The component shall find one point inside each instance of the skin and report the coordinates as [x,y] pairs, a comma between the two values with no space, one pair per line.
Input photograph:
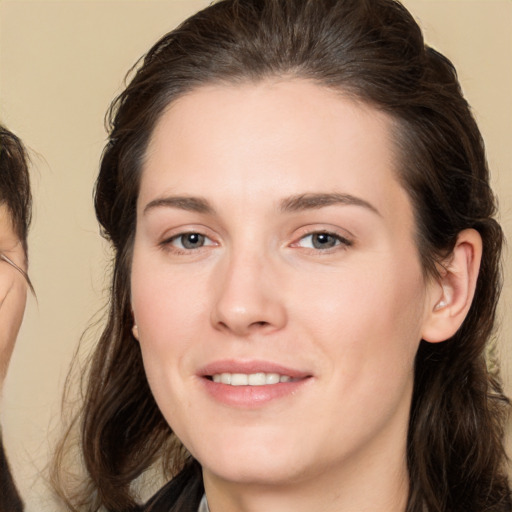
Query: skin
[13,289]
[350,316]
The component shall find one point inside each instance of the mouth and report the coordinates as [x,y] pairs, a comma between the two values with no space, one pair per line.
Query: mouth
[251,384]
[250,379]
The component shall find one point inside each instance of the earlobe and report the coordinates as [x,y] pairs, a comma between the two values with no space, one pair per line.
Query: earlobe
[135,329]
[441,304]
[451,294]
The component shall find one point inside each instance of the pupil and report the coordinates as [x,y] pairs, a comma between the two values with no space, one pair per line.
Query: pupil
[192,240]
[323,240]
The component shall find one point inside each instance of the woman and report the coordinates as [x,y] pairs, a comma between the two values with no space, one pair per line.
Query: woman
[306,272]
[15,209]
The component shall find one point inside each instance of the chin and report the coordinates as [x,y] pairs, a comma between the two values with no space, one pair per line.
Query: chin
[260,472]
[256,460]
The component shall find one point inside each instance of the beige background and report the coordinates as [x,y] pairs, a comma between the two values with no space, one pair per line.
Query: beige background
[61,63]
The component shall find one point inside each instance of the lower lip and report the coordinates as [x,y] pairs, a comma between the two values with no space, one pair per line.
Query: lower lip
[251,396]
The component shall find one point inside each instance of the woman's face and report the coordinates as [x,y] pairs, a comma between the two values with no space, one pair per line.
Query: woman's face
[13,289]
[276,287]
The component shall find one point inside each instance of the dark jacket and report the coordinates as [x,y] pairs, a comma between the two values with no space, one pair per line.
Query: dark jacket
[10,500]
[182,494]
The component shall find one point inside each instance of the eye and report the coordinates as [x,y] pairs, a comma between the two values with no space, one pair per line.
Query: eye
[189,241]
[322,241]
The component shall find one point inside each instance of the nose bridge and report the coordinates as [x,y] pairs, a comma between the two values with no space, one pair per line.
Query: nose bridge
[247,298]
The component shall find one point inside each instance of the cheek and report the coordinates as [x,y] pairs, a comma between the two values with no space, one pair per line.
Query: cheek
[369,319]
[367,327]
[12,307]
[170,314]
[162,312]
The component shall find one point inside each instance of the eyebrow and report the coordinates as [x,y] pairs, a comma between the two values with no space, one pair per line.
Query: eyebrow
[191,204]
[315,201]
[291,204]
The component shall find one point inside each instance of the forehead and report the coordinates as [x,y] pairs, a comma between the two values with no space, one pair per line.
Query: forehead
[269,138]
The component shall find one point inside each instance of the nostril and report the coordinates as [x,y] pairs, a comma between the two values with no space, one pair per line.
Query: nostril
[260,324]
[243,327]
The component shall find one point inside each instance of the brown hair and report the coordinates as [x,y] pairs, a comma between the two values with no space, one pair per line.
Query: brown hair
[15,183]
[374,51]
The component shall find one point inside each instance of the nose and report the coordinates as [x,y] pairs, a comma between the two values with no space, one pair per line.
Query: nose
[248,297]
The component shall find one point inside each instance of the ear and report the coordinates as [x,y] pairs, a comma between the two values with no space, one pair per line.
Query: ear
[451,294]
[135,329]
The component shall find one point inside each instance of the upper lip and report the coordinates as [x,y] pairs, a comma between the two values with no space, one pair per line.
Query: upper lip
[249,367]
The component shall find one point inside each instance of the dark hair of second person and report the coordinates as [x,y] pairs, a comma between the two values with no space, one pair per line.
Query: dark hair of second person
[15,215]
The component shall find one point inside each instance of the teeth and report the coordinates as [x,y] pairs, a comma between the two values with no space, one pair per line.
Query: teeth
[251,379]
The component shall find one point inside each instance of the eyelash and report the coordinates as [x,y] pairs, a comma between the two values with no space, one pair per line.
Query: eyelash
[186,250]
[340,242]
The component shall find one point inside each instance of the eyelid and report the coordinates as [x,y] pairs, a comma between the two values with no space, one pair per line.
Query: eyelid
[171,235]
[346,239]
[182,229]
[179,235]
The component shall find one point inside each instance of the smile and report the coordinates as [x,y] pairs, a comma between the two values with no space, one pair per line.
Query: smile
[251,384]
[250,379]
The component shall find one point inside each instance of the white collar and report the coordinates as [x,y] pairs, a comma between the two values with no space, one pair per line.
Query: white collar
[203,506]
